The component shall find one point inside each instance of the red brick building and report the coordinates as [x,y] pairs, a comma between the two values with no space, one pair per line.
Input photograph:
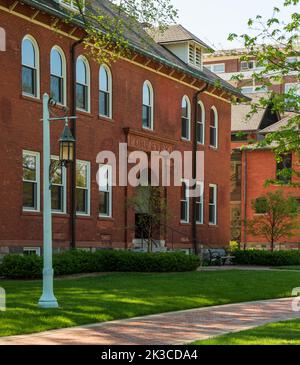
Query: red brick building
[251,168]
[148,100]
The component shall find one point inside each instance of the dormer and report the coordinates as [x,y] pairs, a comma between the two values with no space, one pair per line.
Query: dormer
[183,44]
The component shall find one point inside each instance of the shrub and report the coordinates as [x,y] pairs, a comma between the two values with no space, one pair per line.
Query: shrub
[76,262]
[267,258]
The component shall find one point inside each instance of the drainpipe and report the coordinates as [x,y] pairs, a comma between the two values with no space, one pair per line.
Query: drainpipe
[195,148]
[73,129]
[245,197]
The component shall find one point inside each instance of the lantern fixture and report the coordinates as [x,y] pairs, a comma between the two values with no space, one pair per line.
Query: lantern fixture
[66,145]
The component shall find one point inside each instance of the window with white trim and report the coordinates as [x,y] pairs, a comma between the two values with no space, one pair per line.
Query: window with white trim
[293,99]
[213,128]
[247,65]
[217,68]
[82,84]
[213,204]
[30,67]
[105,92]
[184,203]
[105,191]
[83,173]
[201,123]
[72,4]
[200,203]
[148,98]
[58,75]
[31,181]
[254,89]
[58,186]
[185,118]
[31,251]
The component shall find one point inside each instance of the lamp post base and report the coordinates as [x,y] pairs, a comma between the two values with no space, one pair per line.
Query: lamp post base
[48,303]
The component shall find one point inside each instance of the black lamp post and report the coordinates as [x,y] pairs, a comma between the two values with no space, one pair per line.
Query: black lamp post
[66,146]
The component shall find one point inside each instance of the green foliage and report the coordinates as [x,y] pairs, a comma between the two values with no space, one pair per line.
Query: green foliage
[278,217]
[267,258]
[233,246]
[76,262]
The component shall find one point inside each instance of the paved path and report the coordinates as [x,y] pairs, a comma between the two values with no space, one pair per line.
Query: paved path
[169,328]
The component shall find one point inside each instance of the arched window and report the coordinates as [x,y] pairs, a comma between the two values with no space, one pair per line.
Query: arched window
[147,105]
[82,84]
[186,118]
[105,92]
[213,140]
[58,75]
[201,123]
[30,67]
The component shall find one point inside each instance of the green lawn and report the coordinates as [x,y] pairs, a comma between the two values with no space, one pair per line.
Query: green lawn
[281,333]
[288,267]
[118,295]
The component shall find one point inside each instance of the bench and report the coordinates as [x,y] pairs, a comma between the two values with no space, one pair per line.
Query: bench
[217,256]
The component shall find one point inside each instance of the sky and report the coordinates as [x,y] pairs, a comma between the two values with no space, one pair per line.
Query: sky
[213,20]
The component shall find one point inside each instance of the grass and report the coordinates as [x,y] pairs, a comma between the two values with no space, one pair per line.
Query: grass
[281,333]
[118,295]
[288,267]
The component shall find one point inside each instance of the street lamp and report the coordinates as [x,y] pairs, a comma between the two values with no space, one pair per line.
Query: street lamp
[66,144]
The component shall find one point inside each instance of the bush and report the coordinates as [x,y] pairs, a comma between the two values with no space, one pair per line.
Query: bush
[77,262]
[267,258]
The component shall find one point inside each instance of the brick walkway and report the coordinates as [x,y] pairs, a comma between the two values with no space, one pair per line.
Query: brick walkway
[169,328]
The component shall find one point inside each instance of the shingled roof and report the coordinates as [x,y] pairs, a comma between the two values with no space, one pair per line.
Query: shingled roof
[176,33]
[277,126]
[140,42]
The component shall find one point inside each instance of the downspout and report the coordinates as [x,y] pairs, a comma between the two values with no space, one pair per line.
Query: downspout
[245,197]
[195,148]
[74,130]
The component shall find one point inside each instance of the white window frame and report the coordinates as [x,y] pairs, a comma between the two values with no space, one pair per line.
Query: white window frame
[187,99]
[202,122]
[243,69]
[187,194]
[71,4]
[200,202]
[216,127]
[37,65]
[88,83]
[212,67]
[38,201]
[108,190]
[64,73]
[64,186]
[37,250]
[109,80]
[253,89]
[148,83]
[88,188]
[215,204]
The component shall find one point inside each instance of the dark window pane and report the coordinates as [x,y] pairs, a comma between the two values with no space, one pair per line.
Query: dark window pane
[199,212]
[104,103]
[184,211]
[28,80]
[213,137]
[57,197]
[104,203]
[200,134]
[81,200]
[29,167]
[81,96]
[283,169]
[57,88]
[184,128]
[29,195]
[146,116]
[212,214]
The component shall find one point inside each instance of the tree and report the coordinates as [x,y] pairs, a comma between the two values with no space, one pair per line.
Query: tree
[276,217]
[151,207]
[275,45]
[106,23]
